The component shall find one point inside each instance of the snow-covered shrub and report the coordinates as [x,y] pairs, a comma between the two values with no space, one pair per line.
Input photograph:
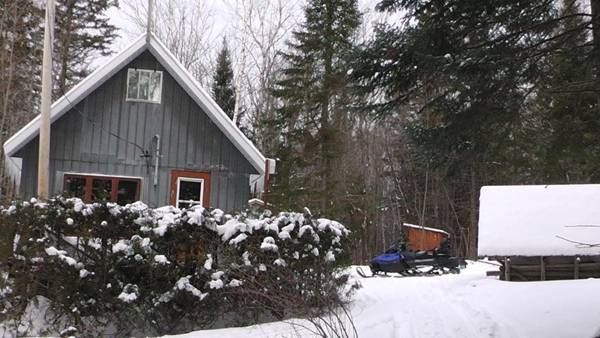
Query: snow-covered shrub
[137,270]
[286,263]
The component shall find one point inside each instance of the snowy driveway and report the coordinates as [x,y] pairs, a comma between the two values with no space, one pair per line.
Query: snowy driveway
[468,305]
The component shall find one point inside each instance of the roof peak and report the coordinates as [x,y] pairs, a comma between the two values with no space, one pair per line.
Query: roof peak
[192,87]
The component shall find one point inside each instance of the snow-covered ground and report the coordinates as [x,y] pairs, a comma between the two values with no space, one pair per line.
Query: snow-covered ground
[465,305]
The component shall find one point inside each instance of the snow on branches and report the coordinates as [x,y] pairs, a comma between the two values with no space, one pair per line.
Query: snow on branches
[118,261]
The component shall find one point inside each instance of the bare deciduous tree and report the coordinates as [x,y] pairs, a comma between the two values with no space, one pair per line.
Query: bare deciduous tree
[186,27]
[260,31]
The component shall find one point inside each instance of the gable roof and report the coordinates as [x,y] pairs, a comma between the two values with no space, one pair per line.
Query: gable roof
[179,73]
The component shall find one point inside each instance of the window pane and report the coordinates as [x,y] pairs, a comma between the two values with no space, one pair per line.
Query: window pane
[189,192]
[101,189]
[132,84]
[126,192]
[75,187]
[155,86]
[144,85]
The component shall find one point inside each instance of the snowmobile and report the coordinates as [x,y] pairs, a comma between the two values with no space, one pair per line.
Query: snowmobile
[414,263]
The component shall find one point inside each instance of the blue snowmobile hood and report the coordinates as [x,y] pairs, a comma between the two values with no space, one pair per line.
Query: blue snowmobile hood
[387,258]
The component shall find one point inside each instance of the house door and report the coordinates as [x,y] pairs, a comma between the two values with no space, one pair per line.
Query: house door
[189,188]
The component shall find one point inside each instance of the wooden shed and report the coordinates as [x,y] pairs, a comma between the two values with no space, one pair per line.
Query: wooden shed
[541,232]
[421,238]
[141,127]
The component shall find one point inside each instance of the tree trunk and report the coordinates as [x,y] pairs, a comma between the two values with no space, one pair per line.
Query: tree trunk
[595,8]
[472,245]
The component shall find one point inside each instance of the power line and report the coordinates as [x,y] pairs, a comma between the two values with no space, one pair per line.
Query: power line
[145,153]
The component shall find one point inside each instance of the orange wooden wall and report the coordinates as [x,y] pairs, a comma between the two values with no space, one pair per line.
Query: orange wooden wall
[422,239]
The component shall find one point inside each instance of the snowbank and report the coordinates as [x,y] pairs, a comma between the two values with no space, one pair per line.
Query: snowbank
[539,220]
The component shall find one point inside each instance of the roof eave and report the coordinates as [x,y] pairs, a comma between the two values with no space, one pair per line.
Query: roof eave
[181,75]
[75,95]
[204,100]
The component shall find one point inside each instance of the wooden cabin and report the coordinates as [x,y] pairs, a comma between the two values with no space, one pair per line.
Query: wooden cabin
[541,232]
[421,238]
[141,127]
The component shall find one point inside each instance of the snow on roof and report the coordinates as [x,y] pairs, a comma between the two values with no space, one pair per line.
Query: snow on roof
[176,69]
[425,228]
[539,220]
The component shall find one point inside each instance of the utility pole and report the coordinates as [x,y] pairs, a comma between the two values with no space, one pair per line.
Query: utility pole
[150,22]
[44,143]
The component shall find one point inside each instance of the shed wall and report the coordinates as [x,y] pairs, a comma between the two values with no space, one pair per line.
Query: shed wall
[419,239]
[104,134]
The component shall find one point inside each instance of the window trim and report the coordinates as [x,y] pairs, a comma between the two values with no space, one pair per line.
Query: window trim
[190,174]
[149,72]
[87,189]
[190,179]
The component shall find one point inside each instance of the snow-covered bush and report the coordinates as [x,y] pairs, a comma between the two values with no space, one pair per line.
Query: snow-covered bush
[286,263]
[137,270]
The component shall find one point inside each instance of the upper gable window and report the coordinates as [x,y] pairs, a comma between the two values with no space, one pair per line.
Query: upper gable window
[144,85]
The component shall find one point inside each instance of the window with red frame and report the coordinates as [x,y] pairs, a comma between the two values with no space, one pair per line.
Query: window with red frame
[90,188]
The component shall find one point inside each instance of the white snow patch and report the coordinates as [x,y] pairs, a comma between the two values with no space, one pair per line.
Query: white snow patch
[234,283]
[467,305]
[208,262]
[129,293]
[230,228]
[246,258]
[123,246]
[184,284]
[238,239]
[329,257]
[529,220]
[161,259]
[215,284]
[268,244]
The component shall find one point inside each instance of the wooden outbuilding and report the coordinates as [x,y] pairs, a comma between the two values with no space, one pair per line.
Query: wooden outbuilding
[541,232]
[421,238]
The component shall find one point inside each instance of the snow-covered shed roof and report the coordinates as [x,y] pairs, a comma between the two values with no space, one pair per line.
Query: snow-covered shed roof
[176,69]
[414,226]
[539,220]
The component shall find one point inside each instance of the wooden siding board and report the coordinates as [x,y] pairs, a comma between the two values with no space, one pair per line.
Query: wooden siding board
[123,128]
[76,133]
[115,114]
[190,135]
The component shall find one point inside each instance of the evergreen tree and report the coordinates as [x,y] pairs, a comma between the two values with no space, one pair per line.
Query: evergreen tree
[82,31]
[21,34]
[315,100]
[570,116]
[462,73]
[223,88]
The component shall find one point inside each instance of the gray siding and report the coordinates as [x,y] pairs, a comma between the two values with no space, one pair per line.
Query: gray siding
[83,141]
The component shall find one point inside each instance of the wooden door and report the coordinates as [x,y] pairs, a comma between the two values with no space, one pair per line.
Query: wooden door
[189,188]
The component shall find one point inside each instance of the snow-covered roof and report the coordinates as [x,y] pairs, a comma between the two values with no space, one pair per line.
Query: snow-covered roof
[176,69]
[408,225]
[539,220]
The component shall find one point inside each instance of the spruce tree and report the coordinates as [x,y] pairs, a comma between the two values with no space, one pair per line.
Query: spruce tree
[315,100]
[461,74]
[21,33]
[82,31]
[223,88]
[570,117]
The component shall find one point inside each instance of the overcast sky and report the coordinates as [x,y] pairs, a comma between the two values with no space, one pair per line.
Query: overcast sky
[219,9]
